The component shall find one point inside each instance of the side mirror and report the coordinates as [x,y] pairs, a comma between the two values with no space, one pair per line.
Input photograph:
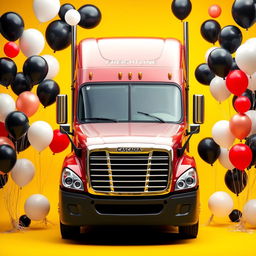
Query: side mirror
[198,109]
[62,109]
[194,128]
[65,128]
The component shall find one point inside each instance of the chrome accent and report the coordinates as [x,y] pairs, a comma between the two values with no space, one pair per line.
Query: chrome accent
[110,173]
[61,109]
[148,172]
[198,109]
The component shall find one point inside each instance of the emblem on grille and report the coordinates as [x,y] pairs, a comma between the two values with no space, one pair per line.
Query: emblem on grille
[121,149]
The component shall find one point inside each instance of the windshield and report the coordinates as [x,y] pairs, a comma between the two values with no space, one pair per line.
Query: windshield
[101,103]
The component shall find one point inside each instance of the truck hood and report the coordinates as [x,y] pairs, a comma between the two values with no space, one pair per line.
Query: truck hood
[141,133]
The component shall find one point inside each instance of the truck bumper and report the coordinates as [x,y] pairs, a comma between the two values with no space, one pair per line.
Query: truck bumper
[174,209]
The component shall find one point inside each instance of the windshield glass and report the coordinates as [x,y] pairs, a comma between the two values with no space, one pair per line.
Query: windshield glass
[129,103]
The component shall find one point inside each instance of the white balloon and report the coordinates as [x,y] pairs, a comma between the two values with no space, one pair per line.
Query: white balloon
[218,89]
[246,58]
[252,82]
[252,115]
[72,17]
[46,10]
[249,212]
[53,66]
[222,134]
[23,172]
[37,207]
[31,42]
[224,159]
[40,135]
[7,105]
[208,53]
[220,204]
[251,40]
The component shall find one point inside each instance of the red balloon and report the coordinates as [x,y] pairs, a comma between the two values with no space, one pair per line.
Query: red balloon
[214,11]
[59,142]
[240,155]
[11,49]
[242,104]
[237,82]
[3,132]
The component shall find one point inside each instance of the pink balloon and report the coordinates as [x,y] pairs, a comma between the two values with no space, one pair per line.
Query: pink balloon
[28,103]
[214,11]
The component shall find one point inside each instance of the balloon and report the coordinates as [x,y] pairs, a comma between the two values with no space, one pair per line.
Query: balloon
[11,49]
[243,13]
[251,142]
[7,105]
[31,42]
[8,71]
[236,180]
[47,92]
[234,65]
[20,84]
[252,82]
[222,135]
[23,172]
[220,62]
[7,158]
[24,221]
[240,156]
[230,38]
[3,132]
[40,135]
[91,15]
[252,115]
[72,17]
[235,215]
[224,159]
[28,103]
[63,9]
[22,143]
[53,66]
[246,58]
[181,8]
[6,141]
[251,40]
[35,69]
[214,11]
[249,212]
[3,180]
[248,94]
[203,74]
[12,26]
[240,125]
[58,35]
[59,142]
[208,52]
[37,207]
[220,204]
[16,124]
[46,10]
[237,82]
[242,104]
[210,30]
[218,89]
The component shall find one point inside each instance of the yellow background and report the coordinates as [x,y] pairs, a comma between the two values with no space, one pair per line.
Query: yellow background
[145,18]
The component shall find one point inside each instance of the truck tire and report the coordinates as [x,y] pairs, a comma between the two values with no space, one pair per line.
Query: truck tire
[190,231]
[69,232]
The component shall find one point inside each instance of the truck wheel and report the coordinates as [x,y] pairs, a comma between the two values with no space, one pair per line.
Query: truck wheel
[69,232]
[190,231]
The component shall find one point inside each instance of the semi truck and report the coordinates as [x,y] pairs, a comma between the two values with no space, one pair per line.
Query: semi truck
[130,132]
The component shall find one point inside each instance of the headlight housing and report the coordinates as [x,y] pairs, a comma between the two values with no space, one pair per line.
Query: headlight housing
[187,180]
[71,180]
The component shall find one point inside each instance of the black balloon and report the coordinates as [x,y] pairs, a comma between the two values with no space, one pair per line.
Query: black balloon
[235,215]
[21,144]
[16,124]
[90,16]
[47,92]
[181,8]
[8,71]
[249,94]
[236,180]
[220,62]
[251,142]
[12,26]
[35,69]
[230,38]
[20,84]
[208,150]
[63,9]
[8,158]
[244,13]
[234,65]
[58,35]
[203,74]
[24,221]
[3,180]
[210,30]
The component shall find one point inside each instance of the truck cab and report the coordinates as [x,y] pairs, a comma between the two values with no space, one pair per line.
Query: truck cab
[129,163]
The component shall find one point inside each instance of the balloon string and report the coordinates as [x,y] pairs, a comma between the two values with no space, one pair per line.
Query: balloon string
[40,175]
[215,170]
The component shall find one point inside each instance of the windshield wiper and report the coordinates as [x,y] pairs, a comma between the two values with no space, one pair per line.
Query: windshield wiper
[100,118]
[147,114]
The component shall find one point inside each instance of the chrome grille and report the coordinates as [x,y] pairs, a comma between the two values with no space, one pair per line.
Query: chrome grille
[128,173]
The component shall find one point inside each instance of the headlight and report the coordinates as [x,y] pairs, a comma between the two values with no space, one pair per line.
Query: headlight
[187,180]
[71,180]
